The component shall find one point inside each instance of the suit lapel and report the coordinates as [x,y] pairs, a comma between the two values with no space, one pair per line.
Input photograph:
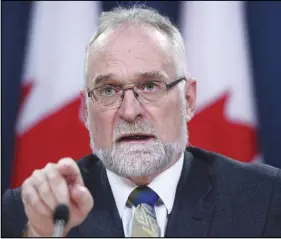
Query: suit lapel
[193,206]
[104,219]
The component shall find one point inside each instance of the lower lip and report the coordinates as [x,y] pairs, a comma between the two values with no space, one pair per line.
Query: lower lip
[140,141]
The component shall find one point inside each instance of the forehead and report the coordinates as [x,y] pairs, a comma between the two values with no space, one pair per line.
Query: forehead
[129,51]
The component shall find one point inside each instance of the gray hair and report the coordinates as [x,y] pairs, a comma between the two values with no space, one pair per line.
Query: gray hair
[142,15]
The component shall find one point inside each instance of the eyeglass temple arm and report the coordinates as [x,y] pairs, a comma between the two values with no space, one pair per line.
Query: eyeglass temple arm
[89,92]
[169,86]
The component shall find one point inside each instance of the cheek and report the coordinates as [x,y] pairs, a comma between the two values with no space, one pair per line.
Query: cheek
[102,128]
[167,119]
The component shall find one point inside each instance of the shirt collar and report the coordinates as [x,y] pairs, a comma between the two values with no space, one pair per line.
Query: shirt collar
[165,185]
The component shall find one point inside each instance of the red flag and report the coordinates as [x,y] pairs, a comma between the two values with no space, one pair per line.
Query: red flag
[49,125]
[218,57]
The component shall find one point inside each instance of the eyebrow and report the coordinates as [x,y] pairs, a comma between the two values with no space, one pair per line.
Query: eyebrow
[101,78]
[152,75]
[144,75]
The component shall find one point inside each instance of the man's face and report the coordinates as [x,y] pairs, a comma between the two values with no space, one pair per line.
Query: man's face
[126,56]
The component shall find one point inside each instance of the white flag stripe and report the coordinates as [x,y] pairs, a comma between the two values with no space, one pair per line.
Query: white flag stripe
[58,36]
[218,55]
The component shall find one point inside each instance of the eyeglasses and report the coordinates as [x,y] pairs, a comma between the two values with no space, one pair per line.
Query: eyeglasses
[149,91]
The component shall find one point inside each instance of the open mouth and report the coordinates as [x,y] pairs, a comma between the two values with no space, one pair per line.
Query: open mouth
[135,138]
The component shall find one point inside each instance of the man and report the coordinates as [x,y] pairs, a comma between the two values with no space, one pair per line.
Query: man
[143,179]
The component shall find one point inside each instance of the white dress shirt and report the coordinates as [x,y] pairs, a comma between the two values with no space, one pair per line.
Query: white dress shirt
[164,185]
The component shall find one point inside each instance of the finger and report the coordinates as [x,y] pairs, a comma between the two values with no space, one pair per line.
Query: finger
[40,181]
[82,198]
[32,200]
[57,184]
[70,170]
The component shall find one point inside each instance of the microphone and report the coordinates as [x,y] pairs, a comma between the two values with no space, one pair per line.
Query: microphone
[60,218]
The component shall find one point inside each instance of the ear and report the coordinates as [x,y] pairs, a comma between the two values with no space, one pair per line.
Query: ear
[84,109]
[190,97]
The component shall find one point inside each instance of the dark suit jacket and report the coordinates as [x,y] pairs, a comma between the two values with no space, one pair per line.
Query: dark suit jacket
[216,197]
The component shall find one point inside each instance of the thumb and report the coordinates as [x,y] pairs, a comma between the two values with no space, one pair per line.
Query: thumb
[82,198]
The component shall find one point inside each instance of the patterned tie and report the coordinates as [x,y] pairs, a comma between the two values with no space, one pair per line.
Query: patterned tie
[144,221]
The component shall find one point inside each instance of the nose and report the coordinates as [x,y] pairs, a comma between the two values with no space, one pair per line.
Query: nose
[130,107]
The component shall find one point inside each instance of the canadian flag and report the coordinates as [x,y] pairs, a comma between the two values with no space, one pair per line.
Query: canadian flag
[218,57]
[49,123]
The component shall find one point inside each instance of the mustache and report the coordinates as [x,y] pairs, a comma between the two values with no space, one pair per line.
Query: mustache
[139,126]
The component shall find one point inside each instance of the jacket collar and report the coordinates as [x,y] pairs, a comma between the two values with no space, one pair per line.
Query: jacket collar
[104,219]
[193,208]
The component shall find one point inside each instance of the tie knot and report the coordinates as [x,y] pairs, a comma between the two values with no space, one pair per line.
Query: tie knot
[143,194]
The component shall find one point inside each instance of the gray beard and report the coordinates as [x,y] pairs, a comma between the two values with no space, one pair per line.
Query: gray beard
[135,160]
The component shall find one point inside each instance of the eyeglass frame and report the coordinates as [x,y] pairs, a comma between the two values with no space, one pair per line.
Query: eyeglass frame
[169,86]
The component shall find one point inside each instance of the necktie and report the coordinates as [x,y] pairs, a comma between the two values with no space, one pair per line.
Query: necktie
[144,220]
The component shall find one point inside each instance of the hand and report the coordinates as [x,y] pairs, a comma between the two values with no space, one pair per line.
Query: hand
[50,186]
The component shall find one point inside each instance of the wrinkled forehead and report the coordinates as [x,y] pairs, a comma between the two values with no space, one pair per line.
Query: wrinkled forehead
[128,51]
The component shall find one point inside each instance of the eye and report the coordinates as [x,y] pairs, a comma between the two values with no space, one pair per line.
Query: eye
[150,86]
[107,90]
